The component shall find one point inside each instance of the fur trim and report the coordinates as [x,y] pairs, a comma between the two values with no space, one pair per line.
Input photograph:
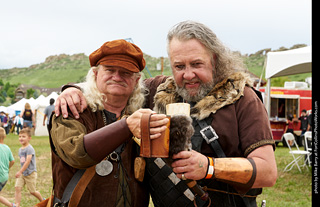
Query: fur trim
[166,94]
[224,93]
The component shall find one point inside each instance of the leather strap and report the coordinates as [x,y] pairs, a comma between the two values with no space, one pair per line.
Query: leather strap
[69,189]
[81,186]
[214,144]
[145,149]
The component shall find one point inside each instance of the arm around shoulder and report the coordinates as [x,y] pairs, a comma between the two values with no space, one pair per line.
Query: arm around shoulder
[73,98]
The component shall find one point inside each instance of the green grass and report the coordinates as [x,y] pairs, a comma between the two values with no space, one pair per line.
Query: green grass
[292,189]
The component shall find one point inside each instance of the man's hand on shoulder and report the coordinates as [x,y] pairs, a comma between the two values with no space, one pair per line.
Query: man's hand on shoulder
[73,98]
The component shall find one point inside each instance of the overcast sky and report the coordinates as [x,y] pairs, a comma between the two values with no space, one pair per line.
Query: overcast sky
[31,30]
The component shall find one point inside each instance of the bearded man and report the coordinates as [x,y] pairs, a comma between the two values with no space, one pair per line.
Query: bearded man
[232,156]
[93,155]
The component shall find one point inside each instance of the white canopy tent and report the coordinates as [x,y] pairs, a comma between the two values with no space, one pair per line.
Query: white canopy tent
[3,108]
[19,106]
[284,63]
[38,106]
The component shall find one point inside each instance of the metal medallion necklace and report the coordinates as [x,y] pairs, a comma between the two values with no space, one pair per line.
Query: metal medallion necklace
[105,167]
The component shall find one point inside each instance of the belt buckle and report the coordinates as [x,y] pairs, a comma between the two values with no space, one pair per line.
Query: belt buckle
[209,140]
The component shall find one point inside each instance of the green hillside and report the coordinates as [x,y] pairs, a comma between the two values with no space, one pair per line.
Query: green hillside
[54,72]
[61,69]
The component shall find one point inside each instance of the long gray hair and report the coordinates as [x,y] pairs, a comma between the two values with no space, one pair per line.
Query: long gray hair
[226,61]
[95,98]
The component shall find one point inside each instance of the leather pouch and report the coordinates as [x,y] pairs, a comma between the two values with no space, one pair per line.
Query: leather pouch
[139,168]
[158,147]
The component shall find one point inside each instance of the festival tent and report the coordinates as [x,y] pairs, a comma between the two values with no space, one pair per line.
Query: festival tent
[40,130]
[41,100]
[38,106]
[41,104]
[19,106]
[288,62]
[285,63]
[3,108]
[7,110]
[53,95]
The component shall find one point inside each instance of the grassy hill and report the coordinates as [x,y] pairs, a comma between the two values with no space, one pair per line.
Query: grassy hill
[54,72]
[61,69]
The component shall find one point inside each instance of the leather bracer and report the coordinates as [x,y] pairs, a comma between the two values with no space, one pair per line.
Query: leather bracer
[100,143]
[239,172]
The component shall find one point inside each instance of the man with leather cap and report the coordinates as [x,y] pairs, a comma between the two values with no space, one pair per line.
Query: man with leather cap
[93,154]
[232,156]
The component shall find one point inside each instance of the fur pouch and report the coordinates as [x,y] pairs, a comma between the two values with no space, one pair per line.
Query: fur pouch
[181,131]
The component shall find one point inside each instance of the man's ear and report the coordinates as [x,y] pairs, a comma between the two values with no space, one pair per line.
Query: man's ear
[138,78]
[95,71]
[214,57]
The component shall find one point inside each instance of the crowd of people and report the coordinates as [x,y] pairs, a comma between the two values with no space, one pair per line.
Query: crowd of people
[22,125]
[17,122]
[24,119]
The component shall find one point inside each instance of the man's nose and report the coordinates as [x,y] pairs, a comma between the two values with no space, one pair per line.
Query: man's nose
[188,73]
[116,76]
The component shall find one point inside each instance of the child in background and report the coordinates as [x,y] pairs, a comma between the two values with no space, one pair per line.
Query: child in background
[27,175]
[6,162]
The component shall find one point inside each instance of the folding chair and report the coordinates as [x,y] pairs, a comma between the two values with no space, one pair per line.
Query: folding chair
[308,145]
[294,153]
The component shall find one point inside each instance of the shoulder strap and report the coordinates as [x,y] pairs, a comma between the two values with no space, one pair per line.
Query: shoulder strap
[81,186]
[258,93]
[75,188]
[211,137]
[69,189]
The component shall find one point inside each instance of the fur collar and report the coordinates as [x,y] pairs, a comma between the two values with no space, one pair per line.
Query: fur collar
[224,93]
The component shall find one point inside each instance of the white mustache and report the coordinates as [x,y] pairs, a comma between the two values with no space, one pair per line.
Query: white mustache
[115,82]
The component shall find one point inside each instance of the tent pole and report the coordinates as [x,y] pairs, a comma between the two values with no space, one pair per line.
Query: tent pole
[268,102]
[263,69]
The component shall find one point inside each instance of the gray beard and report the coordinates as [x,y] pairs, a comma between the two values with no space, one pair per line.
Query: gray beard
[204,89]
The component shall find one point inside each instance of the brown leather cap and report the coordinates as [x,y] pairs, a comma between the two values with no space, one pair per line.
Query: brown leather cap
[119,53]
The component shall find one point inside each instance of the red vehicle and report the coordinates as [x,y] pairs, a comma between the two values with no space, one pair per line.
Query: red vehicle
[285,101]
